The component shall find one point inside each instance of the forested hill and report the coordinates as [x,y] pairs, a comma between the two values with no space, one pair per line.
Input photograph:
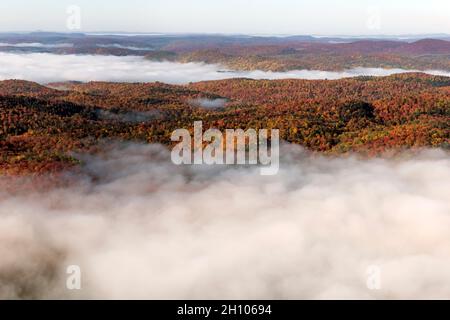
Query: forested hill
[41,125]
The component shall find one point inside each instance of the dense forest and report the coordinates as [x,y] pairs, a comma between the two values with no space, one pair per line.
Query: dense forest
[42,126]
[425,54]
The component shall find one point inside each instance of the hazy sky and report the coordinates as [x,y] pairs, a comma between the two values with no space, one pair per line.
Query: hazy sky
[329,17]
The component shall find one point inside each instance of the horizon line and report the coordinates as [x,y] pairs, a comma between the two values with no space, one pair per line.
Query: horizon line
[443,34]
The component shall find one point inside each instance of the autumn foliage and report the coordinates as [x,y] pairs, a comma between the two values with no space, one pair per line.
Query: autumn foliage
[42,127]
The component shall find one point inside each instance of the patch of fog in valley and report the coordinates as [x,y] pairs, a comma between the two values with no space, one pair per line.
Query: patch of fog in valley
[208,103]
[46,67]
[128,116]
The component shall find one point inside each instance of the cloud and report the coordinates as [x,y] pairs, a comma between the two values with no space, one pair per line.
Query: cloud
[140,227]
[131,116]
[208,103]
[36,45]
[45,67]
[119,46]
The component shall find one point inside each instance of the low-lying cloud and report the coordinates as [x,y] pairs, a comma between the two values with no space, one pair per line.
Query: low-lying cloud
[36,45]
[208,103]
[140,227]
[130,116]
[119,46]
[46,67]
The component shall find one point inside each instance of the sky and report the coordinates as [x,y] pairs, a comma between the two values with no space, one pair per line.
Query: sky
[318,17]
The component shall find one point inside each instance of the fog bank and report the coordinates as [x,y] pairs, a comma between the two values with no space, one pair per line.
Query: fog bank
[36,45]
[208,103]
[46,67]
[140,227]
